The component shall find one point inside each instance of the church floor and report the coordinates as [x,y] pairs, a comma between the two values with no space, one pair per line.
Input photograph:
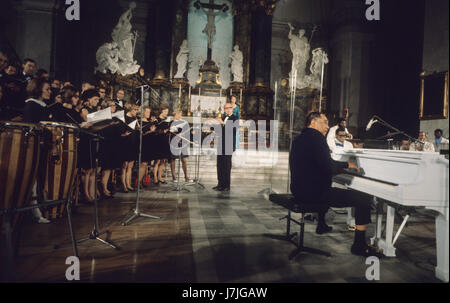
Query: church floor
[205,236]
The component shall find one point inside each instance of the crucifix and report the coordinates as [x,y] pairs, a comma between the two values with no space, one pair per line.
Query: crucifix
[210,28]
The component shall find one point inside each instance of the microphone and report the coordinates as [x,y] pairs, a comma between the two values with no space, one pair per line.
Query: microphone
[371,122]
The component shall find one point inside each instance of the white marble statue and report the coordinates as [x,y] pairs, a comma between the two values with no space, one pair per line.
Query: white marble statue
[107,58]
[300,48]
[123,36]
[182,59]
[319,57]
[236,64]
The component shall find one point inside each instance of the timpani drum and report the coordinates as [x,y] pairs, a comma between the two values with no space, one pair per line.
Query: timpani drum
[19,160]
[58,165]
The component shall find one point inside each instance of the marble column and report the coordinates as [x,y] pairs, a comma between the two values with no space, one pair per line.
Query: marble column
[159,39]
[259,95]
[261,45]
[33,30]
[350,47]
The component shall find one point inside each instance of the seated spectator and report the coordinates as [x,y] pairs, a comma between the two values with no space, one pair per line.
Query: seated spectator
[332,132]
[422,144]
[406,145]
[438,139]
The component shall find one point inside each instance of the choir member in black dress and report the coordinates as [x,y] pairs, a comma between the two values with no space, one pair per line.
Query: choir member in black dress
[148,135]
[162,152]
[108,155]
[35,109]
[179,127]
[87,148]
[128,145]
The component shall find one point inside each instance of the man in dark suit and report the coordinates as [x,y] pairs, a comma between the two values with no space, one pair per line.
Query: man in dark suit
[226,145]
[28,66]
[312,169]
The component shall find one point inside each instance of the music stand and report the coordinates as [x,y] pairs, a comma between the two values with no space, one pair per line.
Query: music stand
[137,211]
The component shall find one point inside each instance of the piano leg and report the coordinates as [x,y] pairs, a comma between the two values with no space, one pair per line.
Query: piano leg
[442,244]
[385,244]
[379,223]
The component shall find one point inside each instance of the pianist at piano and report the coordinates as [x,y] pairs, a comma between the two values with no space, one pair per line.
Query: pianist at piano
[312,169]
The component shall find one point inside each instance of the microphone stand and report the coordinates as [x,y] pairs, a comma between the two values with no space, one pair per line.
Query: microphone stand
[95,233]
[384,123]
[197,156]
[180,187]
[137,211]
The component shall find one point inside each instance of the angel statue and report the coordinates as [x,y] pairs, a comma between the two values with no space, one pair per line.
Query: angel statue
[107,58]
[123,36]
[300,48]
[182,59]
[319,57]
[236,64]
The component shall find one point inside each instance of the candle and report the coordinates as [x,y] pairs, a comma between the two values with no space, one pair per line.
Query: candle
[240,100]
[220,93]
[231,92]
[179,92]
[189,101]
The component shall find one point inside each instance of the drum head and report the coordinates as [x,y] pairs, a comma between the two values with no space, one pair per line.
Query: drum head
[58,124]
[19,125]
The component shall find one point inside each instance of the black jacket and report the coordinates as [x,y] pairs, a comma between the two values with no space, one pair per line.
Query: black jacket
[35,111]
[223,141]
[311,165]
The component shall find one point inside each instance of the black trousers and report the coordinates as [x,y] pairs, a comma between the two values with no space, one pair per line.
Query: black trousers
[336,197]
[224,170]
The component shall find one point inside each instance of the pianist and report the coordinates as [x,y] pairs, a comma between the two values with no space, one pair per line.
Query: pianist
[312,169]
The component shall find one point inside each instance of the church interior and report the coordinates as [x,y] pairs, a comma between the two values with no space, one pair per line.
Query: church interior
[375,70]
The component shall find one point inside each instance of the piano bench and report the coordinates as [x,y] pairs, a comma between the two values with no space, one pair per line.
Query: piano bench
[292,205]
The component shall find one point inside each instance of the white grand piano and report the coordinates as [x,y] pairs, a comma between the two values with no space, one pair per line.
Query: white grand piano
[415,179]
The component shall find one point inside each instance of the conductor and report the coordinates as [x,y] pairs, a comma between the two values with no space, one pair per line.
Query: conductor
[226,145]
[312,169]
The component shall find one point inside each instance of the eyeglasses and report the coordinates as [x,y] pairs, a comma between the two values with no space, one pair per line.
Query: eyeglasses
[228,107]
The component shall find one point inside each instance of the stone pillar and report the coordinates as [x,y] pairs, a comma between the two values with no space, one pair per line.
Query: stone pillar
[34,28]
[261,44]
[350,65]
[159,39]
[259,95]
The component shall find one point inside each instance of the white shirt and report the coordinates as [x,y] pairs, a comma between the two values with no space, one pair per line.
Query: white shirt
[331,137]
[427,147]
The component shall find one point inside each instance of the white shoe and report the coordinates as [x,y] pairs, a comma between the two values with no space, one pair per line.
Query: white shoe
[43,220]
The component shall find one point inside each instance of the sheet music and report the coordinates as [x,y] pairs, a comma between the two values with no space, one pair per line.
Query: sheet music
[120,115]
[133,124]
[100,115]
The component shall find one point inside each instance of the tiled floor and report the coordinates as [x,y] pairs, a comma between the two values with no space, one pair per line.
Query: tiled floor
[205,236]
